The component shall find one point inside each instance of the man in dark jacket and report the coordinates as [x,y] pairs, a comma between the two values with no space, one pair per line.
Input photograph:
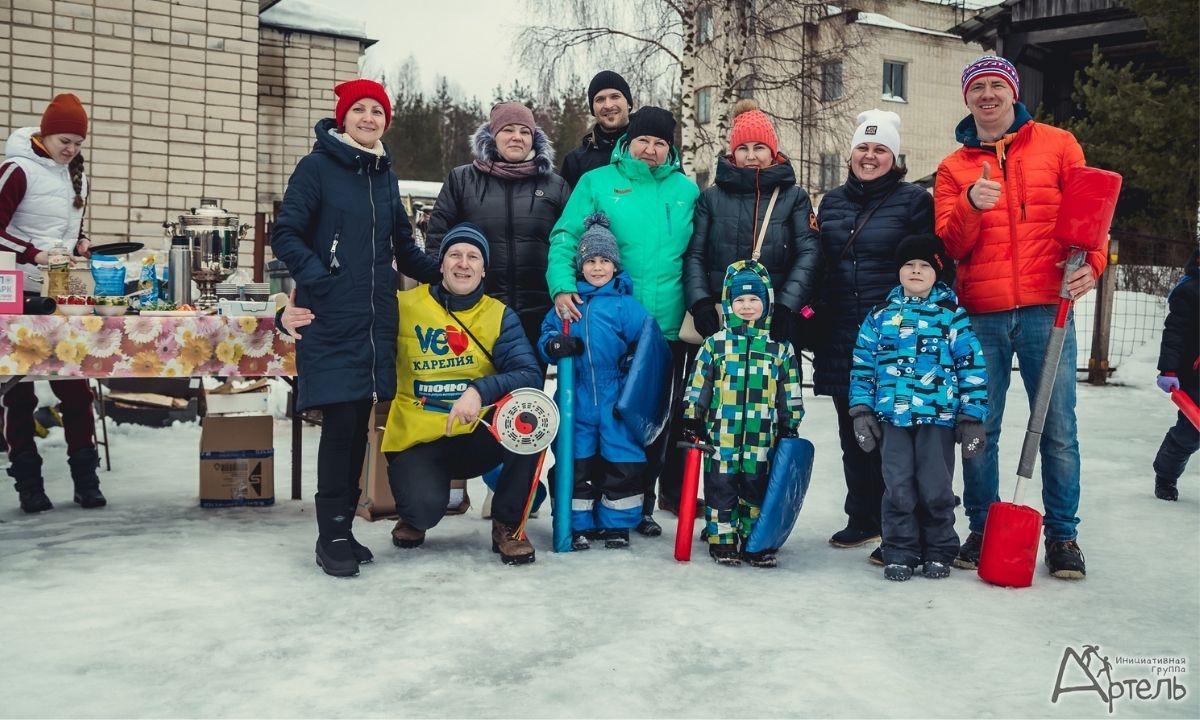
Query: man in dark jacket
[610,102]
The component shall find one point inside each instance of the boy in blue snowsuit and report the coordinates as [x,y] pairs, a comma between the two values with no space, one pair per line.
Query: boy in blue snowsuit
[1179,369]
[918,383]
[607,498]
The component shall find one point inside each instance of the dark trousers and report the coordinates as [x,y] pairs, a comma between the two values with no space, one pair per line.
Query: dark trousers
[664,461]
[75,401]
[420,477]
[342,449]
[1181,442]
[606,495]
[918,504]
[864,476]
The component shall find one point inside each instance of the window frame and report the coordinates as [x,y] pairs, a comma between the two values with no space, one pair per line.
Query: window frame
[704,105]
[827,85]
[889,79]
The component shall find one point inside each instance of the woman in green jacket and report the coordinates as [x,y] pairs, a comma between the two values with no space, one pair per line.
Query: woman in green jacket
[649,204]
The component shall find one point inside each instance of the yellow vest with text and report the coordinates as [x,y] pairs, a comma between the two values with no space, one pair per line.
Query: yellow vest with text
[436,360]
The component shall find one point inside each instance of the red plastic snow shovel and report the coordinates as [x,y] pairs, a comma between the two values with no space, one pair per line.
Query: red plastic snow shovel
[687,495]
[1012,531]
[1186,406]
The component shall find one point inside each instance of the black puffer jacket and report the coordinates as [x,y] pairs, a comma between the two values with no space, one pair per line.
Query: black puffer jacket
[516,215]
[725,227]
[595,151]
[855,282]
[340,225]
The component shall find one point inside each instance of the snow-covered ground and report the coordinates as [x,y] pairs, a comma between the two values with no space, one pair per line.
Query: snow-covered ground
[153,607]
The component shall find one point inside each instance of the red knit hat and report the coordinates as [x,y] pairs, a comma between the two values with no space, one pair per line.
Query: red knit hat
[352,91]
[752,125]
[64,116]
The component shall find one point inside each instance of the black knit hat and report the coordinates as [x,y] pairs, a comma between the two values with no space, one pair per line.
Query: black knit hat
[652,121]
[607,80]
[927,247]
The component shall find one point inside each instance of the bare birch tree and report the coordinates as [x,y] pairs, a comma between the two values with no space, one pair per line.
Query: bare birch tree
[740,48]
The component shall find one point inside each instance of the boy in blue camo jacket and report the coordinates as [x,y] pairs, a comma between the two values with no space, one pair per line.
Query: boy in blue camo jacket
[918,384]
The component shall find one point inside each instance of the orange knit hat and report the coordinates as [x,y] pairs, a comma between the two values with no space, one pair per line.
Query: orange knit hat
[752,125]
[64,116]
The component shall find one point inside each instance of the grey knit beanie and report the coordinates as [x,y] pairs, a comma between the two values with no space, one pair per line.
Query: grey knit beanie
[597,239]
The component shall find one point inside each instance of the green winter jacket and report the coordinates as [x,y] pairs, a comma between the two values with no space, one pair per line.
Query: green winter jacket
[745,387]
[651,214]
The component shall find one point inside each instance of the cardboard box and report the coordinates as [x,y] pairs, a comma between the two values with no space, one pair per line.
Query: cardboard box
[237,461]
[376,501]
[230,399]
[12,285]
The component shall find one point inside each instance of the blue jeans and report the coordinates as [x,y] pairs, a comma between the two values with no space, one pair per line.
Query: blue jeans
[1026,332]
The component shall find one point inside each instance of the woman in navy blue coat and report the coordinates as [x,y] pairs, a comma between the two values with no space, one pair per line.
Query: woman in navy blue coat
[339,228]
[862,222]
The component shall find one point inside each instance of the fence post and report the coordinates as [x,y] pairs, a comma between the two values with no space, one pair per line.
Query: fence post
[1102,330]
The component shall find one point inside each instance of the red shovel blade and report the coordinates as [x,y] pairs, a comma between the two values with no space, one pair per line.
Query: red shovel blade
[1010,545]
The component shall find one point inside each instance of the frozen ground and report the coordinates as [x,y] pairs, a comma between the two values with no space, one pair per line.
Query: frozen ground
[154,607]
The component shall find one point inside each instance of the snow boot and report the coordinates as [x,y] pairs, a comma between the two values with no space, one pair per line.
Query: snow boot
[936,569]
[763,559]
[406,536]
[580,542]
[512,551]
[335,553]
[1065,559]
[851,537]
[968,554]
[362,553]
[648,527]
[725,554]
[616,539]
[83,463]
[897,572]
[876,556]
[1165,489]
[26,470]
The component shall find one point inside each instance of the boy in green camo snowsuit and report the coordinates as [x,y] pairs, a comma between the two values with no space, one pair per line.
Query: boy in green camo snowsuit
[745,392]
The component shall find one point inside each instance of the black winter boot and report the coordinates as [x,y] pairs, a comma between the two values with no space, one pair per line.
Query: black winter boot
[26,470]
[1165,489]
[335,552]
[362,553]
[83,465]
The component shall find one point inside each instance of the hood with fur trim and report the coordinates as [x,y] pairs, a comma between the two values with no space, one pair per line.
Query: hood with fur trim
[483,148]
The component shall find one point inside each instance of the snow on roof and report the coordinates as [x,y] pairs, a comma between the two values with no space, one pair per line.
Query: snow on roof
[313,16]
[967,4]
[868,18]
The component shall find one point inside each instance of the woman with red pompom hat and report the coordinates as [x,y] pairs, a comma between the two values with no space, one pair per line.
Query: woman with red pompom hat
[340,226]
[43,191]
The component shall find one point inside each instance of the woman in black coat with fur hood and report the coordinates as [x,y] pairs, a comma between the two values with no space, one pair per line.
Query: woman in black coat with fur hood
[511,192]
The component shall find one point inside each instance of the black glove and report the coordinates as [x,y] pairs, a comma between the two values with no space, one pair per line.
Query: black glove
[561,346]
[705,317]
[866,427]
[970,433]
[782,322]
[694,430]
[786,432]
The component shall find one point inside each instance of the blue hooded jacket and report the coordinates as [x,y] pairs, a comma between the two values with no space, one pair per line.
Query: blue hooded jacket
[339,228]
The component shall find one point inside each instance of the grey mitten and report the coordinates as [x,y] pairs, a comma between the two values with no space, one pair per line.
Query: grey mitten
[970,433]
[866,427]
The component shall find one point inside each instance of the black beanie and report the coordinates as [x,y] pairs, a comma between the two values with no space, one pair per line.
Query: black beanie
[605,80]
[927,247]
[652,121]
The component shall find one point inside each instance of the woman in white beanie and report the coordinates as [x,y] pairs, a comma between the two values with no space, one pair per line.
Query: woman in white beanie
[862,221]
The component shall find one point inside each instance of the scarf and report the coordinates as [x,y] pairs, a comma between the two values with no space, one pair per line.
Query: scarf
[508,170]
[377,150]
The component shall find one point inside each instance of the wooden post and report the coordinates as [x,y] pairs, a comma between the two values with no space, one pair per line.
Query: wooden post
[1102,330]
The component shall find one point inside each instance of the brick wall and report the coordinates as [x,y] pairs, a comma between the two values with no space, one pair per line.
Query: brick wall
[297,72]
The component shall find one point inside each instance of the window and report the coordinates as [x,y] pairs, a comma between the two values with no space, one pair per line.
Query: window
[831,171]
[704,105]
[893,80]
[704,25]
[831,81]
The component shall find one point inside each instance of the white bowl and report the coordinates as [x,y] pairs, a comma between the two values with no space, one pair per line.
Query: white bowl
[111,310]
[75,310]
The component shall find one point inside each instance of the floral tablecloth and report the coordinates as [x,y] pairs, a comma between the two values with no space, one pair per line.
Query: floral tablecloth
[136,346]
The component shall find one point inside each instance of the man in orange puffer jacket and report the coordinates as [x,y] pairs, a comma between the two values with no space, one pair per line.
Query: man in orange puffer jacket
[996,202]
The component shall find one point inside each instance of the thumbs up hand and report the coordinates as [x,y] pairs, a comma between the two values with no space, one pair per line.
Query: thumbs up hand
[985,193]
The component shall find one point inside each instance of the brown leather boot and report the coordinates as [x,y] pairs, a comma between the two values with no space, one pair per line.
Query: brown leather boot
[407,536]
[512,551]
